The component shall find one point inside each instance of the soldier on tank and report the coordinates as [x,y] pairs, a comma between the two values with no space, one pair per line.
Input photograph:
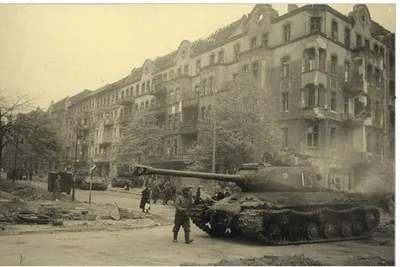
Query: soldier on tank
[183,204]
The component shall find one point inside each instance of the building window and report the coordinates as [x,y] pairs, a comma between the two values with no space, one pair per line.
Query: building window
[358,41]
[377,110]
[369,143]
[285,68]
[285,101]
[186,69]
[376,48]
[346,104]
[347,37]
[147,104]
[315,25]
[131,91]
[334,62]
[377,77]
[377,145]
[346,71]
[333,138]
[176,121]
[169,121]
[265,39]
[310,59]
[367,44]
[313,135]
[198,66]
[334,30]
[211,84]
[203,86]
[148,86]
[286,33]
[382,53]
[221,56]
[333,101]
[322,59]
[285,136]
[142,105]
[143,88]
[175,147]
[369,72]
[168,147]
[311,97]
[179,72]
[212,59]
[253,43]
[236,51]
[254,68]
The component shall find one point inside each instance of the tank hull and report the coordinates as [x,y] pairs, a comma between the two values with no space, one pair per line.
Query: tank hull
[284,219]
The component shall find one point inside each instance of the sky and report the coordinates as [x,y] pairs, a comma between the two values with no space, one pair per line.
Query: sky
[51,51]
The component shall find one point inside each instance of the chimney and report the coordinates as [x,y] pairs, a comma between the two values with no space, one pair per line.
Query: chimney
[292,7]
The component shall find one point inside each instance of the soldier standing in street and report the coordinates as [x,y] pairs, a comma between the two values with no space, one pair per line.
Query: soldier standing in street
[57,188]
[183,204]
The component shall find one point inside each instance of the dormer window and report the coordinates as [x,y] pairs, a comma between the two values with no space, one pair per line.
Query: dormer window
[315,25]
[265,39]
[212,59]
[367,44]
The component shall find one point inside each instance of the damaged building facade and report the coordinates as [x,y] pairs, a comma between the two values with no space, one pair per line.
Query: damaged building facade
[332,74]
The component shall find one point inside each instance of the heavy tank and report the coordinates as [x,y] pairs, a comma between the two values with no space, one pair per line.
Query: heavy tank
[278,205]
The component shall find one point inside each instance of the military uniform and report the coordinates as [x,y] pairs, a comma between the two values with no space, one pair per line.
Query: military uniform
[183,204]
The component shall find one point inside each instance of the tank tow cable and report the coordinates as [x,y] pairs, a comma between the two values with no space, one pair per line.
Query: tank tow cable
[228,231]
[208,225]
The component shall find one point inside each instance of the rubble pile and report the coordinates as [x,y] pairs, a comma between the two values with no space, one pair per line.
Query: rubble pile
[24,190]
[294,260]
[369,261]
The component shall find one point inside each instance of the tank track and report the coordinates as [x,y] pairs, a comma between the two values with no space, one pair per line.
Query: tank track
[293,227]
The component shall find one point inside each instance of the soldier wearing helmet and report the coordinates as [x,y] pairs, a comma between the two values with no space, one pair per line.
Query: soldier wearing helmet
[183,204]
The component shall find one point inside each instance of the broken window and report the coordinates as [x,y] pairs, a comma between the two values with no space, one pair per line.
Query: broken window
[253,43]
[347,37]
[333,101]
[358,41]
[212,59]
[322,59]
[285,101]
[346,104]
[376,48]
[221,56]
[254,68]
[286,33]
[334,63]
[310,59]
[346,71]
[315,25]
[313,135]
[265,39]
[311,97]
[334,30]
[285,68]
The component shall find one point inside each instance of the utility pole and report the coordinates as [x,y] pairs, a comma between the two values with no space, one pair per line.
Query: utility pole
[75,162]
[214,141]
[15,174]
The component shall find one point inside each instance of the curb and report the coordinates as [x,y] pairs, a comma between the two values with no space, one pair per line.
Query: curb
[76,230]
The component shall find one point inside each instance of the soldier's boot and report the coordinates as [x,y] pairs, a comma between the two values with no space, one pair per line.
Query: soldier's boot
[175,237]
[187,237]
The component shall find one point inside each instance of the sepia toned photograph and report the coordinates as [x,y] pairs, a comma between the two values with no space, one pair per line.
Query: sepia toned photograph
[207,134]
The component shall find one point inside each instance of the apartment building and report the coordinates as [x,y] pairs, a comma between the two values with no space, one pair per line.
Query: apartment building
[333,75]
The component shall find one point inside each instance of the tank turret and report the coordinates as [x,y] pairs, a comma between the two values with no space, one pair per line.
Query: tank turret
[252,177]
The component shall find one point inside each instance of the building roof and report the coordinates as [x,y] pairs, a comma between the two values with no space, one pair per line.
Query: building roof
[164,62]
[215,38]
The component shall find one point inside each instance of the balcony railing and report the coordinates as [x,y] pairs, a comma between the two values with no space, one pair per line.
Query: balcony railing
[315,77]
[127,100]
[354,85]
[102,157]
[190,100]
[313,113]
[351,120]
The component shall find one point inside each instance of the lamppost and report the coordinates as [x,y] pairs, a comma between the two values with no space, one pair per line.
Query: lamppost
[214,132]
[78,136]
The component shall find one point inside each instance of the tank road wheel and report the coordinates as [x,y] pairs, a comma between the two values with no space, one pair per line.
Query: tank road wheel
[330,230]
[357,228]
[284,218]
[274,232]
[294,232]
[371,219]
[345,229]
[312,231]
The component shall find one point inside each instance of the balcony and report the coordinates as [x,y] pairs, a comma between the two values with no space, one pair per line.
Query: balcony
[84,142]
[159,89]
[108,122]
[189,128]
[313,113]
[158,108]
[351,120]
[125,101]
[102,158]
[367,54]
[190,100]
[125,118]
[314,77]
[85,127]
[355,85]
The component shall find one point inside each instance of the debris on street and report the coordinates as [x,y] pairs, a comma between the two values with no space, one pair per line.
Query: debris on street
[266,260]
[369,261]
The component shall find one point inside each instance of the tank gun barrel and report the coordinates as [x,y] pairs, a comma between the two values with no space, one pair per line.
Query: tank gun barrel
[144,170]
